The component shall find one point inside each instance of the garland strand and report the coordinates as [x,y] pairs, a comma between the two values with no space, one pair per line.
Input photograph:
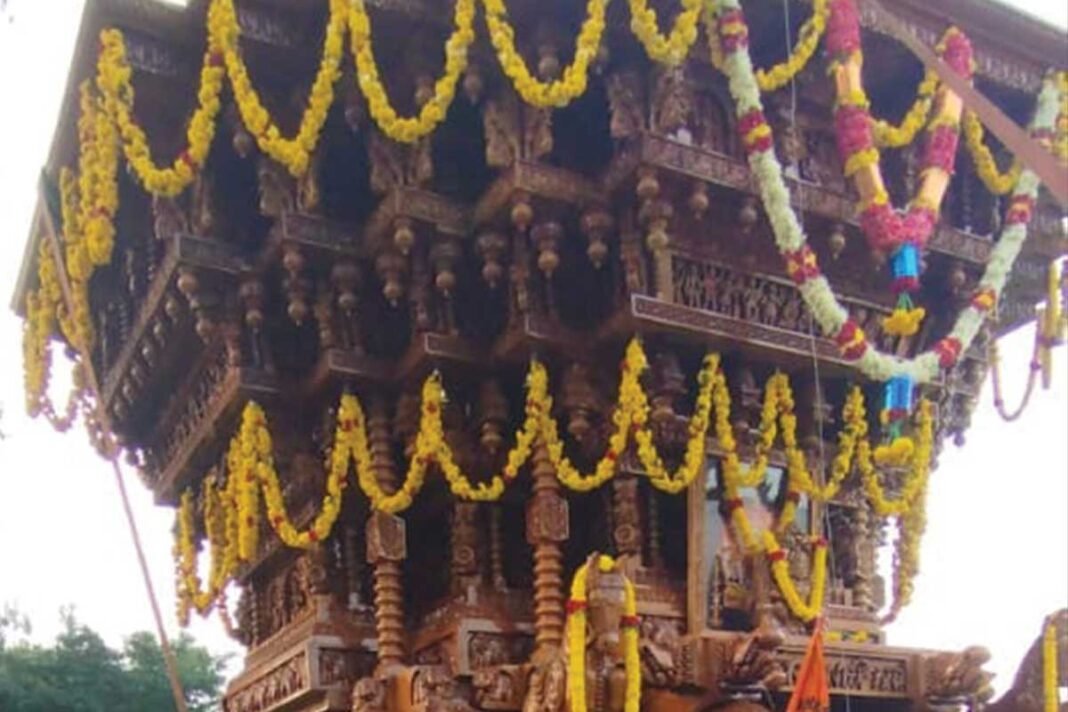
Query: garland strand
[576,638]
[252,475]
[1050,696]
[986,167]
[808,40]
[293,153]
[114,81]
[889,136]
[573,80]
[433,110]
[728,24]
[672,49]
[780,571]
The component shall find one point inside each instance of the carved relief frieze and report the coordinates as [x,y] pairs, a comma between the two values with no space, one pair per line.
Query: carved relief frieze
[855,673]
[760,300]
[269,691]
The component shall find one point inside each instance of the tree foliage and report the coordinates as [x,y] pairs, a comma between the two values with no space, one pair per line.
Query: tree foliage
[80,673]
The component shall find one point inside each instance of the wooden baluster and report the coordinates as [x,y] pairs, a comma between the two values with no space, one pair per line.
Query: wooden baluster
[547,528]
[386,546]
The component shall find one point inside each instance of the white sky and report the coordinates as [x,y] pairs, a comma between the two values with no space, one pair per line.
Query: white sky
[995,558]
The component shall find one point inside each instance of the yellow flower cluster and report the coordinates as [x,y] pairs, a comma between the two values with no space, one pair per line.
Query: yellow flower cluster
[576,639]
[1050,693]
[572,83]
[114,81]
[293,153]
[985,166]
[673,48]
[780,571]
[902,452]
[889,136]
[904,322]
[433,111]
[808,39]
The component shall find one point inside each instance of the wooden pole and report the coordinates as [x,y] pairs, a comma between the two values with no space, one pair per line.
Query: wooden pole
[93,383]
[1035,158]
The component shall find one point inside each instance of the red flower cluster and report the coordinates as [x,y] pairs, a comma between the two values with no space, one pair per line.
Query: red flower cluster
[843,28]
[801,265]
[948,350]
[941,149]
[851,340]
[852,128]
[733,32]
[958,54]
[1020,209]
[755,132]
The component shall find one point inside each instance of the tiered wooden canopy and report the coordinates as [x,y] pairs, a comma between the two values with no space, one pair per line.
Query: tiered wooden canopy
[515,232]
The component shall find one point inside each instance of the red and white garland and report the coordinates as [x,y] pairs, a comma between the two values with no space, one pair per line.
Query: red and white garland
[727,24]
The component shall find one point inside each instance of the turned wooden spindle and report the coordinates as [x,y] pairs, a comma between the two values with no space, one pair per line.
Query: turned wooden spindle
[862,588]
[547,529]
[627,530]
[463,568]
[386,546]
[497,549]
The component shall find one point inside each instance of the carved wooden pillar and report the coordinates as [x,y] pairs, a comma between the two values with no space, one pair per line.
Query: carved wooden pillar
[497,578]
[627,531]
[463,569]
[386,546]
[547,528]
[863,540]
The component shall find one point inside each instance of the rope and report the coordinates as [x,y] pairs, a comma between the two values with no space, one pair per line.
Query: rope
[110,452]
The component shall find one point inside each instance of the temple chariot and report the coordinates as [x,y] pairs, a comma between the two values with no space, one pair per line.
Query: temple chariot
[548,356]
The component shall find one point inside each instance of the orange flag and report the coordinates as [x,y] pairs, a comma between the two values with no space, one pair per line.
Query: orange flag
[811,693]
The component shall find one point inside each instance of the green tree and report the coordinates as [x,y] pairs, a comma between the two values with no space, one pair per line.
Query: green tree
[80,673]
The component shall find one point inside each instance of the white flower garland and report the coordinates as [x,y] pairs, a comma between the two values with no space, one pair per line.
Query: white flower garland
[790,236]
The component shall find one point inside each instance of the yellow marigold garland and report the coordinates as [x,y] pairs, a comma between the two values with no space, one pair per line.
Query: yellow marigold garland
[673,48]
[630,401]
[986,166]
[572,82]
[808,40]
[889,136]
[293,153]
[780,571]
[576,639]
[114,80]
[220,524]
[693,460]
[432,112]
[917,455]
[1050,696]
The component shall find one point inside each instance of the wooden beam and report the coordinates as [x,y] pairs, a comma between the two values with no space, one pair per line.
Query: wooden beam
[1028,151]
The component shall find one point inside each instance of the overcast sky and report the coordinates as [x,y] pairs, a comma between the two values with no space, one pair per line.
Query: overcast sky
[995,559]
